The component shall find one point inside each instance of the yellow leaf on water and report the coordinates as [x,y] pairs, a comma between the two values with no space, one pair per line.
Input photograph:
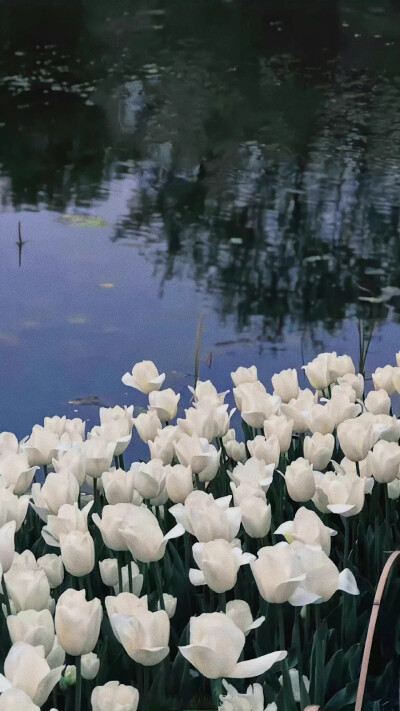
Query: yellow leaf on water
[107,286]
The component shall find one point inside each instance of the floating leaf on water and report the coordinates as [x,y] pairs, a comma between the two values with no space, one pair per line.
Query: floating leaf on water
[82,220]
[374,299]
[107,285]
[77,320]
[89,400]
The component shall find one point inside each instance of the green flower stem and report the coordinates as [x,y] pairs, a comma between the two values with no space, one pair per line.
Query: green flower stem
[346,540]
[89,587]
[6,596]
[157,575]
[119,564]
[45,471]
[121,462]
[128,563]
[94,492]
[222,602]
[78,684]
[358,468]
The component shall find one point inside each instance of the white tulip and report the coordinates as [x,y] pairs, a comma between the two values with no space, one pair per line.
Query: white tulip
[252,700]
[178,482]
[170,603]
[298,410]
[110,432]
[356,438]
[240,613]
[295,683]
[137,579]
[72,460]
[98,455]
[236,450]
[149,480]
[206,391]
[147,425]
[216,644]
[244,375]
[288,576]
[77,622]
[319,371]
[53,567]
[196,452]
[15,470]
[254,472]
[307,528]
[355,381]
[7,545]
[341,407]
[12,507]
[113,517]
[59,488]
[378,402]
[109,571]
[8,443]
[255,404]
[33,627]
[394,489]
[143,634]
[144,537]
[165,404]
[384,461]
[321,419]
[219,562]
[118,486]
[282,428]
[207,518]
[286,384]
[25,668]
[41,447]
[256,512]
[163,445]
[268,450]
[90,665]
[339,492]
[114,696]
[16,700]
[383,379]
[299,480]
[322,578]
[28,589]
[77,552]
[144,377]
[69,518]
[318,449]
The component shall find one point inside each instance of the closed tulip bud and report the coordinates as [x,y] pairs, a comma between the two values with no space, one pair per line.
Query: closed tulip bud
[207,518]
[163,445]
[236,450]
[254,473]
[219,562]
[244,375]
[240,613]
[111,522]
[321,419]
[77,622]
[268,450]
[77,552]
[109,571]
[307,528]
[196,452]
[16,700]
[144,537]
[298,410]
[143,634]
[393,488]
[206,391]
[378,402]
[147,425]
[178,482]
[28,589]
[256,512]
[41,447]
[69,518]
[318,449]
[69,678]
[286,384]
[299,479]
[53,567]
[7,546]
[282,428]
[165,403]
[339,492]
[149,479]
[170,603]
[341,366]
[355,381]
[33,627]
[118,486]
[15,470]
[144,377]
[12,508]
[98,455]
[356,437]
[26,668]
[384,461]
[383,379]
[319,371]
[114,696]
[216,644]
[90,665]
[8,443]
[59,488]
[255,404]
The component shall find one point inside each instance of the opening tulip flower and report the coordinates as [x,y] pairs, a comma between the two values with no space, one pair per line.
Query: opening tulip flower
[144,377]
[216,644]
[143,634]
[25,668]
[219,562]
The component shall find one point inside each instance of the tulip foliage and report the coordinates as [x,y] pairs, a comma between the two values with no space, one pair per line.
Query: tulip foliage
[235,568]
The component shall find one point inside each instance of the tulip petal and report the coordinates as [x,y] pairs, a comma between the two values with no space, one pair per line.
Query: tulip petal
[256,623]
[302,597]
[196,577]
[4,684]
[175,532]
[151,656]
[255,667]
[205,660]
[247,558]
[347,582]
[340,508]
[47,685]
[284,528]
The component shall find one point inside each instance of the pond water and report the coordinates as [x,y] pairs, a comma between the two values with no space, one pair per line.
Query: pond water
[163,162]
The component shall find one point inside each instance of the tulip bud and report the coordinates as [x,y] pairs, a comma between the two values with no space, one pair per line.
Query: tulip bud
[113,696]
[109,571]
[28,589]
[268,450]
[244,375]
[90,664]
[356,438]
[378,402]
[53,567]
[394,489]
[33,627]
[318,449]
[355,381]
[165,403]
[384,461]
[77,552]
[7,546]
[295,683]
[147,425]
[69,677]
[321,419]
[179,482]
[219,562]
[77,622]
[170,603]
[299,478]
[282,428]
[286,384]
[118,486]
[383,379]
[236,450]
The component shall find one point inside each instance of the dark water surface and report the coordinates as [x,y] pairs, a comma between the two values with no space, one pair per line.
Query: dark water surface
[172,159]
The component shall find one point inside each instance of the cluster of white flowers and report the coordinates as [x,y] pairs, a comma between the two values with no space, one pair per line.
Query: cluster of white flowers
[215,499]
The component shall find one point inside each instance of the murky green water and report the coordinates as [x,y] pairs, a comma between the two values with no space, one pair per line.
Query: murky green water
[167,160]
